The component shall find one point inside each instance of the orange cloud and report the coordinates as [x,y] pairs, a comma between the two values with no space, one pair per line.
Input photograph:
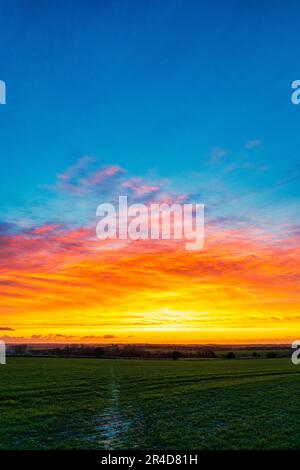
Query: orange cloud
[243,286]
[60,283]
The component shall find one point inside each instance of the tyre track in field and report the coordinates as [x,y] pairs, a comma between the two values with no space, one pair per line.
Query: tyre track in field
[112,427]
[170,382]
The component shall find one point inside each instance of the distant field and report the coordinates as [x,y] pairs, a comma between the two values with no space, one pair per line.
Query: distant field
[126,404]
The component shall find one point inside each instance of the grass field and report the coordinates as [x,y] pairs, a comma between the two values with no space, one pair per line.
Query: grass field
[153,405]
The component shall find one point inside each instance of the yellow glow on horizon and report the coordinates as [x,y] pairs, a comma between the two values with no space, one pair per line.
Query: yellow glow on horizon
[218,295]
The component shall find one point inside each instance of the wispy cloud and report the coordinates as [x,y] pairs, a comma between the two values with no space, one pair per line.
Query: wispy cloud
[217,153]
[83,177]
[251,144]
[56,275]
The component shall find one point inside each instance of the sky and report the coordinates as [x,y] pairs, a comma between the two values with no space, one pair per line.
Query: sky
[163,101]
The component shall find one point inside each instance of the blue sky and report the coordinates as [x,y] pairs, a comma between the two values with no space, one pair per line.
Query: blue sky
[173,101]
[194,91]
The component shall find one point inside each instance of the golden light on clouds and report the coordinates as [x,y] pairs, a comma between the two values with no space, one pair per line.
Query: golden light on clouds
[243,289]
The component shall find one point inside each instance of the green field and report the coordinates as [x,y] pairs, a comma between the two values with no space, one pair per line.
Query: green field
[153,405]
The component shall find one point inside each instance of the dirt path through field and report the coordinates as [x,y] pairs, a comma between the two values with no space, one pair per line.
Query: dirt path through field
[112,427]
